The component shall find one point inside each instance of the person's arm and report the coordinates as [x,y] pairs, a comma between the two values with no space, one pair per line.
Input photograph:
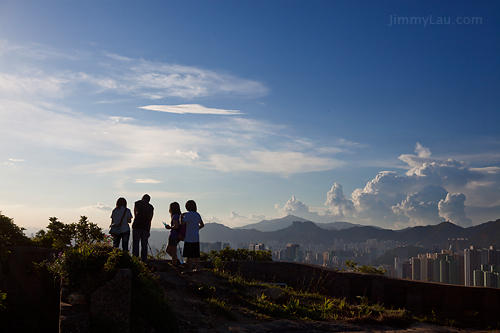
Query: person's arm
[201,224]
[129,218]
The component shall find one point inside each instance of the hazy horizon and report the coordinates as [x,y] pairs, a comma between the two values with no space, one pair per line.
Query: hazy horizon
[366,112]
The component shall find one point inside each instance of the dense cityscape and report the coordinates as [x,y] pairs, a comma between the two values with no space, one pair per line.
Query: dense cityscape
[458,264]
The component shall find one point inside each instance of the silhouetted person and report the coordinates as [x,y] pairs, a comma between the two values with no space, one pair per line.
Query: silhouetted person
[175,235]
[121,217]
[192,241]
[143,212]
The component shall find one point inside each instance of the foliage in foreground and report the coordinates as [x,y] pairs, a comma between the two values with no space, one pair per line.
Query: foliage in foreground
[298,305]
[3,296]
[88,266]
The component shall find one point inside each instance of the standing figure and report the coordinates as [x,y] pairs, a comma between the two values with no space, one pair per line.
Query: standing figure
[143,212]
[121,217]
[175,226]
[192,241]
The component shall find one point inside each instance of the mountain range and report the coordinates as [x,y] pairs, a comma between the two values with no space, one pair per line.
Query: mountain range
[300,231]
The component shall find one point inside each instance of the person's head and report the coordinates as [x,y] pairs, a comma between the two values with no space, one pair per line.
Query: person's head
[175,208]
[146,197]
[191,206]
[121,202]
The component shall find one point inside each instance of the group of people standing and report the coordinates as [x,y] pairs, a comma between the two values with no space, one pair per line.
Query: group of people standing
[183,227]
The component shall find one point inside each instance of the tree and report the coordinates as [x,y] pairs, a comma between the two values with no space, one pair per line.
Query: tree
[87,232]
[10,234]
[61,236]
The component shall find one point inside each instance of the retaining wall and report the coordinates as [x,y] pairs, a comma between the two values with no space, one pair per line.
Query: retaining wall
[468,305]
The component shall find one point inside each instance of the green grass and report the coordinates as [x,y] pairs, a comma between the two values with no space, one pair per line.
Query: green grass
[301,305]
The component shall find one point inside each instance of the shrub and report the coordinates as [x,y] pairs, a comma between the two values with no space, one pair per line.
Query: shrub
[364,268]
[228,254]
[88,266]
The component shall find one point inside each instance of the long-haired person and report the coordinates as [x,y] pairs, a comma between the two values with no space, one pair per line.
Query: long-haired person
[174,236]
[121,216]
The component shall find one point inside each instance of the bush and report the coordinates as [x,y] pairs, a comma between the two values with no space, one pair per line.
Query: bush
[364,268]
[88,266]
[228,254]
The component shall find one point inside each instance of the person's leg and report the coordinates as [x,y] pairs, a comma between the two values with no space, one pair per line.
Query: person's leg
[197,263]
[125,240]
[136,235]
[190,264]
[144,245]
[172,251]
[116,240]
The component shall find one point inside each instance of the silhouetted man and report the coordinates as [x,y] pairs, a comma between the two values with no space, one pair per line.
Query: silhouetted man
[143,215]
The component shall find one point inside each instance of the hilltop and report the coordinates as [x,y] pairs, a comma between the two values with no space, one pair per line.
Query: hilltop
[191,298]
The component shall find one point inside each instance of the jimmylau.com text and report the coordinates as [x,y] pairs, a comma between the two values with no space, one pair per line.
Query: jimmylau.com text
[430,20]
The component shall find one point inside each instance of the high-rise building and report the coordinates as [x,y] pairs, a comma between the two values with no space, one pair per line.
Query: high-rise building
[472,262]
[415,268]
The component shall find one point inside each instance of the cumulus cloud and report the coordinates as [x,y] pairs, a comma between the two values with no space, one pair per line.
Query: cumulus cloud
[431,191]
[452,209]
[339,205]
[190,108]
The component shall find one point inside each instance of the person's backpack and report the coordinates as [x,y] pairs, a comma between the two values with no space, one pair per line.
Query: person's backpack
[182,231]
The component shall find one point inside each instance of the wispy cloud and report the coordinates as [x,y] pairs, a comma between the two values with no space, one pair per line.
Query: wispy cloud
[190,108]
[99,206]
[147,181]
[232,145]
[31,69]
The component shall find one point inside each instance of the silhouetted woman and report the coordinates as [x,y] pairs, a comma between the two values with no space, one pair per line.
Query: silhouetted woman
[174,227]
[121,217]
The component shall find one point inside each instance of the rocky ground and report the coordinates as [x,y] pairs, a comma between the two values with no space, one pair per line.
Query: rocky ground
[187,295]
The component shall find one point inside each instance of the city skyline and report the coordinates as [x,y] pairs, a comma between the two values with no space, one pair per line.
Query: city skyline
[369,113]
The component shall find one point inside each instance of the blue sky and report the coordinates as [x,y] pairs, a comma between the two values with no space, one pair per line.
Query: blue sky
[369,112]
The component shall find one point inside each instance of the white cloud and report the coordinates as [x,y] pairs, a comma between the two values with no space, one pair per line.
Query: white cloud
[147,181]
[433,190]
[233,145]
[452,209]
[337,201]
[190,108]
[99,206]
[30,70]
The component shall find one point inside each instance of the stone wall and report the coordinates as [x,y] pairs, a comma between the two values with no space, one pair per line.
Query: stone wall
[468,305]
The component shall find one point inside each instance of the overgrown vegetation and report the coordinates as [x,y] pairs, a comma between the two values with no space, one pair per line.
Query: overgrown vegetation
[228,254]
[90,265]
[353,266]
[284,302]
[3,296]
